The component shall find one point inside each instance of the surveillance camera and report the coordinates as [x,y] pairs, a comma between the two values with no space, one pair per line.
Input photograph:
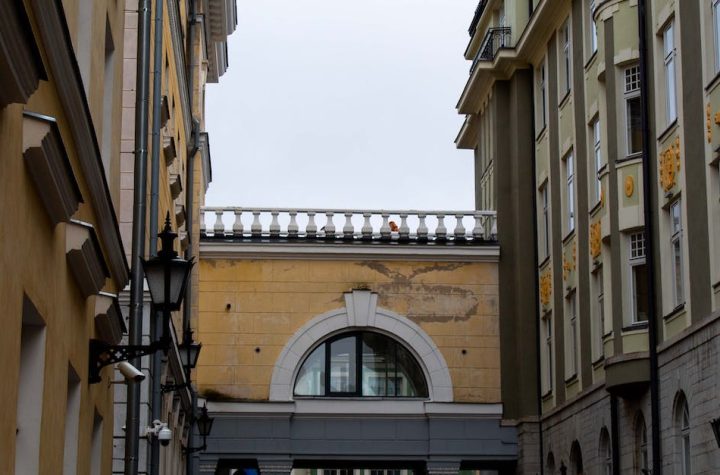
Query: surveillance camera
[164,435]
[130,372]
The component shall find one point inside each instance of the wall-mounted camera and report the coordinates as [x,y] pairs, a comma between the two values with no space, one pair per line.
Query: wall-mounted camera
[161,431]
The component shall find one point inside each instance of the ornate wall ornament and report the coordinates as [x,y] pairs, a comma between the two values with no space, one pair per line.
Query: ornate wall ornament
[595,240]
[570,264]
[669,165]
[717,118]
[545,287]
[629,186]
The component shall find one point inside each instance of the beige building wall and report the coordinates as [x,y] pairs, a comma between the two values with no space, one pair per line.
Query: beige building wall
[249,309]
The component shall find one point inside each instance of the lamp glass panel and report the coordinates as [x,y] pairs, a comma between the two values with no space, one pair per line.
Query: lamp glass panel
[155,275]
[204,424]
[194,354]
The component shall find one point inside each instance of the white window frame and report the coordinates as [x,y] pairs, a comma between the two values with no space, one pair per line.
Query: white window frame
[685,454]
[636,254]
[716,33]
[676,254]
[600,311]
[642,463]
[570,192]
[547,323]
[545,203]
[542,92]
[573,333]
[669,53]
[566,65]
[631,82]
[597,157]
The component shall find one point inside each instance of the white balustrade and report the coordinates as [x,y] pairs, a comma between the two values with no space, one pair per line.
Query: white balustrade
[382,225]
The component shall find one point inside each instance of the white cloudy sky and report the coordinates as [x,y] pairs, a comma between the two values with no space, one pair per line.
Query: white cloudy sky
[342,104]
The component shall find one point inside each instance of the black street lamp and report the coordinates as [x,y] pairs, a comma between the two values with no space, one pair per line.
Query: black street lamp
[167,277]
[204,423]
[189,353]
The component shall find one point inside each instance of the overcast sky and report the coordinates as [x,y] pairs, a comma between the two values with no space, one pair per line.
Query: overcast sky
[342,104]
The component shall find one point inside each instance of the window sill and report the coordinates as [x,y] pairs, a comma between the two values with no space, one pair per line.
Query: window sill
[713,82]
[571,380]
[543,262]
[568,237]
[637,326]
[547,396]
[668,130]
[591,60]
[595,208]
[675,312]
[564,99]
[541,134]
[633,156]
[598,362]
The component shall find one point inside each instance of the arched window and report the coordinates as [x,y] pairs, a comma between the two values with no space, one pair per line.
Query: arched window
[361,364]
[642,465]
[576,461]
[605,452]
[682,428]
[550,464]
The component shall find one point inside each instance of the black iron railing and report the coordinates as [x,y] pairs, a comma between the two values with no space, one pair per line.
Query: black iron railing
[495,39]
[476,18]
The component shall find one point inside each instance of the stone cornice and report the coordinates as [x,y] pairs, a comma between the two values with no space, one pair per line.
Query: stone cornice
[341,251]
[53,31]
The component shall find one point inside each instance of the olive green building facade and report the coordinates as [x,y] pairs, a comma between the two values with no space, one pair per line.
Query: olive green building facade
[568,183]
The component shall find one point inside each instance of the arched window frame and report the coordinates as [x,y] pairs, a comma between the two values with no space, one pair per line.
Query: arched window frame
[682,431]
[550,463]
[642,464]
[576,460]
[423,393]
[605,452]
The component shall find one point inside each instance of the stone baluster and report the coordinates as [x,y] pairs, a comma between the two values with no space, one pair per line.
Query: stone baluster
[459,228]
[256,227]
[218,227]
[348,229]
[441,230]
[329,225]
[292,226]
[311,229]
[274,224]
[385,228]
[238,225]
[478,231]
[404,230]
[367,229]
[422,230]
[493,229]
[203,228]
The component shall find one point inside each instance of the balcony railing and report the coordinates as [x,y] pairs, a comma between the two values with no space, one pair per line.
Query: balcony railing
[495,39]
[476,18]
[357,225]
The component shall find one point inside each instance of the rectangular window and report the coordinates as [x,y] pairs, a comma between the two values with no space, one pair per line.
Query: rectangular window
[716,32]
[572,320]
[31,382]
[676,254]
[542,106]
[600,312]
[597,156]
[593,28]
[565,73]
[633,119]
[669,54]
[638,275]
[570,192]
[547,324]
[545,219]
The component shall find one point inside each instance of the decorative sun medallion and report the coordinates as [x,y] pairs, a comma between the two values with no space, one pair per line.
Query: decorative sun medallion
[595,240]
[669,166]
[629,186]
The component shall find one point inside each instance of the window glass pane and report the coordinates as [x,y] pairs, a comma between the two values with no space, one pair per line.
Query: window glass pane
[640,292]
[378,365]
[677,272]
[311,378]
[409,380]
[342,365]
[634,125]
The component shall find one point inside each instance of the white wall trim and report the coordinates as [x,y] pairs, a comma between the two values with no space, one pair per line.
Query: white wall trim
[361,311]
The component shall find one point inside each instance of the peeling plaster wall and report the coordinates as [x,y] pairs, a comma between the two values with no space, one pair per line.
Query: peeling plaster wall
[456,304]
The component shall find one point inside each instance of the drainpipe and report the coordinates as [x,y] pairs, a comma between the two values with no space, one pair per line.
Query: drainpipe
[132,423]
[155,324]
[648,182]
[190,459]
[538,354]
